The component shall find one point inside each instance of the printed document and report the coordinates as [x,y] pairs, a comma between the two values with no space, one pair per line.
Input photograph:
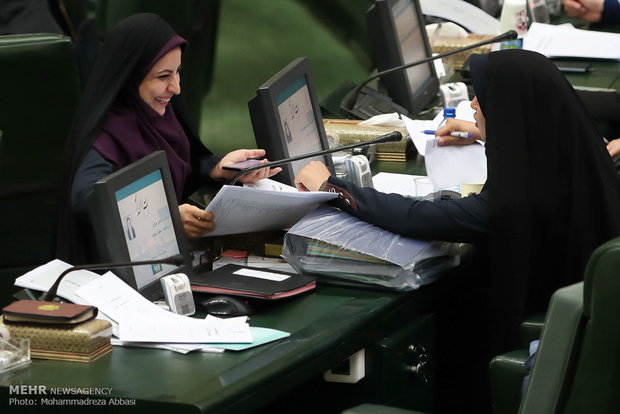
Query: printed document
[268,205]
[43,277]
[140,320]
[467,15]
[567,41]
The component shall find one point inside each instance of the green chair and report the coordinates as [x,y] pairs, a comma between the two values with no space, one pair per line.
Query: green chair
[40,93]
[577,366]
[194,20]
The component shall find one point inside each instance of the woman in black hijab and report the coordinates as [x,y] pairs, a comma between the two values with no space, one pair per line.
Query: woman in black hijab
[129,109]
[552,195]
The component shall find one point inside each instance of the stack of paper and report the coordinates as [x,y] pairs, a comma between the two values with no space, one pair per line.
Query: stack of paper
[567,41]
[139,322]
[267,205]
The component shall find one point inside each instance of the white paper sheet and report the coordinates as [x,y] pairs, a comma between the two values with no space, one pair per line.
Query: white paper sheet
[416,127]
[449,166]
[43,277]
[402,184]
[246,209]
[467,15]
[142,321]
[567,41]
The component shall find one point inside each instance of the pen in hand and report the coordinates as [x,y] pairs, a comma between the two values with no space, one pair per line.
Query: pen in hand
[460,134]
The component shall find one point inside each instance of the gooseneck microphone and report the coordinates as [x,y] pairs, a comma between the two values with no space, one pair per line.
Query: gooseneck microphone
[348,102]
[394,136]
[177,260]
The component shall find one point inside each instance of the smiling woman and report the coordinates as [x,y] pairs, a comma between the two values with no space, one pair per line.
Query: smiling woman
[132,107]
[162,82]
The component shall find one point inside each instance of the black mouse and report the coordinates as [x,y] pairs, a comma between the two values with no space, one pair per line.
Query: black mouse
[226,306]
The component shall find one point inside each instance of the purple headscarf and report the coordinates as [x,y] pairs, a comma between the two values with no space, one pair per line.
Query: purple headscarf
[133,129]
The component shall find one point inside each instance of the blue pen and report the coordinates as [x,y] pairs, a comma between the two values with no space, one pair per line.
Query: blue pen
[460,134]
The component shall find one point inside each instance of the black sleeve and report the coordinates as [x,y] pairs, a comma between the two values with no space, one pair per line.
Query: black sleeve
[463,220]
[93,168]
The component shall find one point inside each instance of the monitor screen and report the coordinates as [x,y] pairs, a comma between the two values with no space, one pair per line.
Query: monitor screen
[287,121]
[135,217]
[397,37]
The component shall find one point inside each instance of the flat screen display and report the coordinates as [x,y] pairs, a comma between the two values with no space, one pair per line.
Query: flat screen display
[411,43]
[286,118]
[149,232]
[298,122]
[135,217]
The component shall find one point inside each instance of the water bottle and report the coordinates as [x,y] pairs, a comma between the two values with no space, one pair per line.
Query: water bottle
[447,114]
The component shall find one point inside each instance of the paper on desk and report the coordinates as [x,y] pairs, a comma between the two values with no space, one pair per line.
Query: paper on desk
[467,15]
[180,348]
[402,184]
[416,127]
[246,209]
[567,41]
[140,320]
[43,277]
[449,166]
[387,120]
[261,336]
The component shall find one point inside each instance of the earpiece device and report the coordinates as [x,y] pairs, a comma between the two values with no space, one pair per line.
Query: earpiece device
[358,170]
[453,93]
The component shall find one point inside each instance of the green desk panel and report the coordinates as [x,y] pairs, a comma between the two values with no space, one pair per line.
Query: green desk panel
[326,327]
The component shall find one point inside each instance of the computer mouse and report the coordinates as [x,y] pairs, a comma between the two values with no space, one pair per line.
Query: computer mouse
[227,306]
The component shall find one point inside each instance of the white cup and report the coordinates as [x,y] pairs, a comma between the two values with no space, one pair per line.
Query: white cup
[472,187]
[424,186]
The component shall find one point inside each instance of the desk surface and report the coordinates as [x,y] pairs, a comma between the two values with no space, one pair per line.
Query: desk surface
[327,326]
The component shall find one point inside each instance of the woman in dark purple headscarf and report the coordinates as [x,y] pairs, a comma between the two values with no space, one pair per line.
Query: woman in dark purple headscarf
[129,109]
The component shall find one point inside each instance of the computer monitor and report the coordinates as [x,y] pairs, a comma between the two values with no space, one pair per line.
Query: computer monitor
[135,217]
[398,36]
[286,118]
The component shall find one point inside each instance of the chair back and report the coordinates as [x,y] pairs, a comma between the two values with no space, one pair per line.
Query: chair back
[577,367]
[40,92]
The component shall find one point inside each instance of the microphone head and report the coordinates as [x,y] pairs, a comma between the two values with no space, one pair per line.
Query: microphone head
[393,136]
[178,260]
[510,35]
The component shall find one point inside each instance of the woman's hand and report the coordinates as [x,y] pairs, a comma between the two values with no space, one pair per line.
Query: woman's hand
[312,176]
[196,221]
[457,125]
[587,10]
[218,173]
[614,147]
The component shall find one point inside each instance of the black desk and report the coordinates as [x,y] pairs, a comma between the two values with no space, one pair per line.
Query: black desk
[326,327]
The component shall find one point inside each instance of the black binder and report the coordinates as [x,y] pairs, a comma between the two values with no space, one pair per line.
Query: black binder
[253,282]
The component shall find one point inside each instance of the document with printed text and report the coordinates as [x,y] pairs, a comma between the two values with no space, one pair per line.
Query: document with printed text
[269,205]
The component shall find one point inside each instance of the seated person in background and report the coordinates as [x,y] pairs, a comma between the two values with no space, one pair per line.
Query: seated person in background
[552,196]
[595,11]
[130,109]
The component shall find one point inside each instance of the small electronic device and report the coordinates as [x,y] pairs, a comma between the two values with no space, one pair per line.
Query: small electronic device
[358,170]
[398,36]
[453,93]
[138,219]
[178,294]
[242,165]
[286,119]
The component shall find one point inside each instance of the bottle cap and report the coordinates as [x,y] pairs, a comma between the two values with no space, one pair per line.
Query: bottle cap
[449,112]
